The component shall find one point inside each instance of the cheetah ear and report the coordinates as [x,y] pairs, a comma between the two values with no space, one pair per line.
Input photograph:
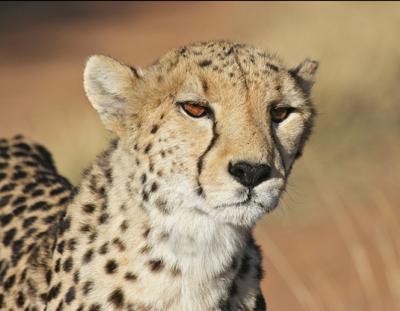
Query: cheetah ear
[304,74]
[109,85]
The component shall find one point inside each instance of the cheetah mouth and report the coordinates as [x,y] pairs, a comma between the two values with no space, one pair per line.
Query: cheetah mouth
[236,204]
[243,204]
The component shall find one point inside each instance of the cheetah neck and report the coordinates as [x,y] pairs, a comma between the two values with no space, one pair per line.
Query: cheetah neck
[184,253]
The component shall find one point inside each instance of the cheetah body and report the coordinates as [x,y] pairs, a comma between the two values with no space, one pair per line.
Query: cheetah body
[157,222]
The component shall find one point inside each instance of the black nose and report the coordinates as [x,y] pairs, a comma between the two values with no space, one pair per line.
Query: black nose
[248,174]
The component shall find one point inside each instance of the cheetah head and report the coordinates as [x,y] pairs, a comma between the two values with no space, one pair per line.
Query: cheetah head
[217,125]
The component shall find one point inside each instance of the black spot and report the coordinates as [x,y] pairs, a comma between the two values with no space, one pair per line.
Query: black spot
[57,191]
[92,237]
[9,236]
[273,67]
[50,219]
[148,148]
[154,129]
[23,275]
[64,225]
[121,246]
[182,51]
[70,295]
[3,165]
[49,275]
[111,266]
[145,196]
[4,155]
[162,206]
[31,163]
[154,187]
[130,276]
[143,178]
[68,264]
[19,175]
[60,247]
[103,218]
[17,246]
[156,265]
[205,63]
[124,226]
[9,282]
[29,221]
[231,49]
[2,176]
[145,249]
[146,233]
[204,84]
[29,187]
[87,257]
[19,200]
[117,298]
[19,210]
[20,299]
[20,154]
[95,307]
[104,249]
[60,306]
[87,287]
[4,200]
[89,208]
[37,193]
[57,265]
[22,146]
[54,292]
[6,219]
[72,244]
[41,205]
[76,277]
[85,228]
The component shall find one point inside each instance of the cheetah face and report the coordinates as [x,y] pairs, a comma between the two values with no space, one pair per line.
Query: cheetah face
[221,124]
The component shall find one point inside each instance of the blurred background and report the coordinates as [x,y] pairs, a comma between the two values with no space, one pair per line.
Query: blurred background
[333,244]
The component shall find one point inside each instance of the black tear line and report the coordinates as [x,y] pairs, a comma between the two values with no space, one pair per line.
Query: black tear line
[201,158]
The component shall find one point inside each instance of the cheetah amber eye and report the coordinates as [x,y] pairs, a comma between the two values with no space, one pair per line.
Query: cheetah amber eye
[278,114]
[194,109]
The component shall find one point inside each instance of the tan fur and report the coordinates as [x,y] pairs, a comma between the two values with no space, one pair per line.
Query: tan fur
[159,221]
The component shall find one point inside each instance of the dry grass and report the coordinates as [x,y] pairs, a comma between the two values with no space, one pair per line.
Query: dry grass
[333,244]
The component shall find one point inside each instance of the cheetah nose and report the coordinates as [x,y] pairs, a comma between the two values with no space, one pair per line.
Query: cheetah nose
[249,174]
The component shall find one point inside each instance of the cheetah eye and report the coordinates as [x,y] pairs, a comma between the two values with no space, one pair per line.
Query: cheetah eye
[194,109]
[279,114]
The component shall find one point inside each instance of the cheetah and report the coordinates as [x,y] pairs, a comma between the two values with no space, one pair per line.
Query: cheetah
[206,138]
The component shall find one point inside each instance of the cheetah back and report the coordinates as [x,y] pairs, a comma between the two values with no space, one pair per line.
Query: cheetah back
[32,199]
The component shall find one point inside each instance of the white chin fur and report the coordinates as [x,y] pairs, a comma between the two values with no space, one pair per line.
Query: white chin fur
[222,206]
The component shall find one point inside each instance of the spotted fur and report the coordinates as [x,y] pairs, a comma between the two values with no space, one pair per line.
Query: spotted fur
[158,221]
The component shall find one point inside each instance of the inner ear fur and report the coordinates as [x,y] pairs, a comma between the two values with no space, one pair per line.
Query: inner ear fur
[109,85]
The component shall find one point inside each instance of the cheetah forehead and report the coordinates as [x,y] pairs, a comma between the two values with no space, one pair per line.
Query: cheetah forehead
[222,57]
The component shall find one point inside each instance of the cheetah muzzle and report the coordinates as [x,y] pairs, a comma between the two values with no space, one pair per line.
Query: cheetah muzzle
[162,220]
